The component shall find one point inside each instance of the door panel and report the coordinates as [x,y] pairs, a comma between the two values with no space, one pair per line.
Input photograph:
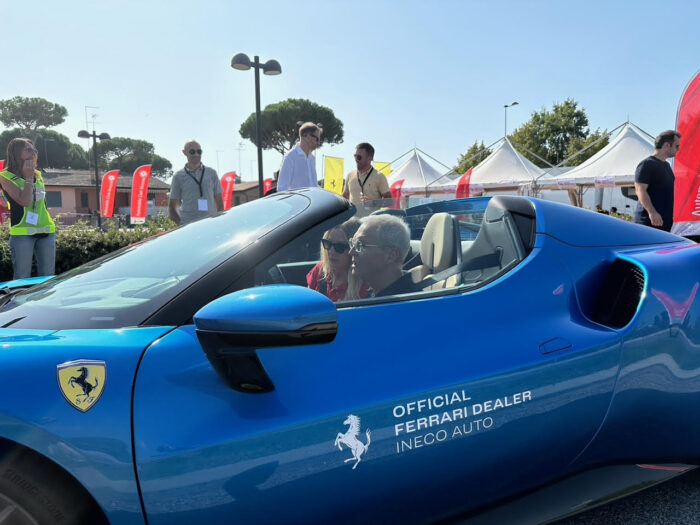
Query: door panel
[461,404]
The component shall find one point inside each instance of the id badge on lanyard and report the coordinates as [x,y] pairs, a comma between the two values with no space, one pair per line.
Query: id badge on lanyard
[32,218]
[202,203]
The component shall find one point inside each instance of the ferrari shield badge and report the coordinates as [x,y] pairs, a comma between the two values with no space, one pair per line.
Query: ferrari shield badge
[81,382]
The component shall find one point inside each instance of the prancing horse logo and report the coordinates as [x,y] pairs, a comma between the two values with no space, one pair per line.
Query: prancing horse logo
[349,439]
[81,382]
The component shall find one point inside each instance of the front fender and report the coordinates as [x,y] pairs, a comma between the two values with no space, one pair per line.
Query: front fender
[93,445]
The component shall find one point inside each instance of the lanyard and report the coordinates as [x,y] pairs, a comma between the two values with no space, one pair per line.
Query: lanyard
[362,184]
[199,182]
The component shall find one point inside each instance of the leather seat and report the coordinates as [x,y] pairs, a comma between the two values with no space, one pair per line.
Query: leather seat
[439,250]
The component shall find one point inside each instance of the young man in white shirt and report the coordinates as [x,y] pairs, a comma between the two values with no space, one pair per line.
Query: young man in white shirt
[299,165]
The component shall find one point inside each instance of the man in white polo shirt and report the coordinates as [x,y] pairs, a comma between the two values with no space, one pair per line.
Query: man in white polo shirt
[299,165]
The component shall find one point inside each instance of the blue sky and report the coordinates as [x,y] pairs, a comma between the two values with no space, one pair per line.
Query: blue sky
[398,74]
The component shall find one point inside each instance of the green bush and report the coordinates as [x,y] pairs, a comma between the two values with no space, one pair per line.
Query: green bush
[80,243]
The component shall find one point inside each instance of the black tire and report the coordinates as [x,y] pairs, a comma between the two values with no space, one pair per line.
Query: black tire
[34,491]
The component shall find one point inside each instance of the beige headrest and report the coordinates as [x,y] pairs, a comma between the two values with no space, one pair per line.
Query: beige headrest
[437,246]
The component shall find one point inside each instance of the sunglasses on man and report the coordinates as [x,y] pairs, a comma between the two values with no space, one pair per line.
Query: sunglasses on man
[197,151]
[360,246]
[339,247]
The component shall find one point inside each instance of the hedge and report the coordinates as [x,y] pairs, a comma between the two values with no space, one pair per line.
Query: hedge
[80,243]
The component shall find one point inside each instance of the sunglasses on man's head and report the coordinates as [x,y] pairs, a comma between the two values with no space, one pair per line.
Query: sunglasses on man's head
[197,151]
[339,247]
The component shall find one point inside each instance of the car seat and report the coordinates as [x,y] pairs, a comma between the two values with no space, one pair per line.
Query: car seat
[440,249]
[498,245]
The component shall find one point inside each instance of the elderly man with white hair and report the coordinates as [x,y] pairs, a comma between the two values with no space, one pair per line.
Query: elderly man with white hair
[378,250]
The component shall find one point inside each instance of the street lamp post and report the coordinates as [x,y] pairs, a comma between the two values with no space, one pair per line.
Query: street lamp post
[505,117]
[46,153]
[239,148]
[102,136]
[218,170]
[241,62]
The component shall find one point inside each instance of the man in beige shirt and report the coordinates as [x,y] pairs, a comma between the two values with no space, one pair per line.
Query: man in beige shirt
[365,183]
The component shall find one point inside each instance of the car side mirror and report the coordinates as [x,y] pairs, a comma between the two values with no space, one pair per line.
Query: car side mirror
[233,327]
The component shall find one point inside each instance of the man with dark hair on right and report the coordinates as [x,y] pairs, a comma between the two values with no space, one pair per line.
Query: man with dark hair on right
[654,183]
[365,183]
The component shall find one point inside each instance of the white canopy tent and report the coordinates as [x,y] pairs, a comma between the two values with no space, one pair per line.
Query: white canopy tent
[503,169]
[506,170]
[416,173]
[614,165]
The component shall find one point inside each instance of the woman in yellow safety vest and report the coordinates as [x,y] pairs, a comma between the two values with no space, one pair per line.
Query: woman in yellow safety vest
[32,231]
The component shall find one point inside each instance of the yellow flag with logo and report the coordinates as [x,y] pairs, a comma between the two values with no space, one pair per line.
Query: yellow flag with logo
[333,175]
[383,167]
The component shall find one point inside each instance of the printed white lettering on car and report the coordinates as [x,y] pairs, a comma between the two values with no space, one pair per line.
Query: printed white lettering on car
[495,404]
[418,432]
[430,403]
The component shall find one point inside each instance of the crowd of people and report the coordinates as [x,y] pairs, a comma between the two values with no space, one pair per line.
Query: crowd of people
[359,258]
[611,211]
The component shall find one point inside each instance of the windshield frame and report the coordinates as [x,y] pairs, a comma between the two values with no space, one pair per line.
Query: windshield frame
[34,315]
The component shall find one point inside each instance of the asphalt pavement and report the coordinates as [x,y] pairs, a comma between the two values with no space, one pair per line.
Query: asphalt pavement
[675,502]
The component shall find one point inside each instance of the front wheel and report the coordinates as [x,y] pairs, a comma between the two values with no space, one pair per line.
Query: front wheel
[34,491]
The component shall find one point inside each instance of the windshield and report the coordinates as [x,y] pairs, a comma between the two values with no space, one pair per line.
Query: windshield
[123,288]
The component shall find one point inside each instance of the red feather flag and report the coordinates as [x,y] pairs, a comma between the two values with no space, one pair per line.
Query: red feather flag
[686,163]
[108,189]
[396,193]
[139,193]
[267,186]
[463,185]
[227,182]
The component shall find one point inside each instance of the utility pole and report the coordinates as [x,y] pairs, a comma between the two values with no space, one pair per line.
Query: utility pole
[239,148]
[218,170]
[87,126]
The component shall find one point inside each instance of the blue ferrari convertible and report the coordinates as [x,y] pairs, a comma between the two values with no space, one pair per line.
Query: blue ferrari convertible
[536,359]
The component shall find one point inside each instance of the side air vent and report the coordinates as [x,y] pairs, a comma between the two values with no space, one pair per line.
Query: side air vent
[619,294]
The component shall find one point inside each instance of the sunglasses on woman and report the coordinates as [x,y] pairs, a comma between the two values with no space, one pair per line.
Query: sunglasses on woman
[339,247]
